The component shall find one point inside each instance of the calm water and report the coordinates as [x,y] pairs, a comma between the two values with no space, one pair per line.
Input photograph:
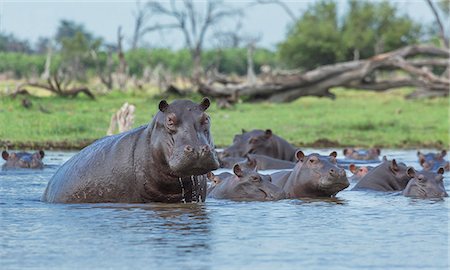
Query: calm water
[360,230]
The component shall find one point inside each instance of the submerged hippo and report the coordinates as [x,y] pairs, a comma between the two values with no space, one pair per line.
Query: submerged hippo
[262,143]
[23,160]
[433,161]
[388,176]
[425,184]
[362,154]
[164,161]
[313,176]
[244,185]
[358,171]
[262,162]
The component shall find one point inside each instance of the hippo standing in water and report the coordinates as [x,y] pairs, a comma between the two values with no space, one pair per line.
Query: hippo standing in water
[362,154]
[313,176]
[262,162]
[262,143]
[245,184]
[433,161]
[358,172]
[164,161]
[388,176]
[23,160]
[426,184]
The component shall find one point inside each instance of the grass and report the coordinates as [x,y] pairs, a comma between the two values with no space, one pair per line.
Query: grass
[355,118]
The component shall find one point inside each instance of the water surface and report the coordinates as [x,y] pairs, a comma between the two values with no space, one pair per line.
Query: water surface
[359,230]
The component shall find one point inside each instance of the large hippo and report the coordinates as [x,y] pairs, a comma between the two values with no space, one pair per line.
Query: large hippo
[23,160]
[262,162]
[261,142]
[362,154]
[388,176]
[245,184]
[313,176]
[358,171]
[433,161]
[164,161]
[426,184]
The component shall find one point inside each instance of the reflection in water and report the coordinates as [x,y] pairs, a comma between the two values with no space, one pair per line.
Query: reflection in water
[357,229]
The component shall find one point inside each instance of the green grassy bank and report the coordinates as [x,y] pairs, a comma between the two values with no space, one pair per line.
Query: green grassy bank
[355,118]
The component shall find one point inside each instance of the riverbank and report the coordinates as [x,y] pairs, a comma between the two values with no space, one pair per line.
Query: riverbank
[354,118]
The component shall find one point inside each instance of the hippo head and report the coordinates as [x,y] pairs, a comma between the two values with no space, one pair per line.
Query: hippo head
[431,161]
[259,143]
[425,184]
[358,171]
[397,171]
[181,138]
[362,154]
[24,160]
[318,176]
[238,148]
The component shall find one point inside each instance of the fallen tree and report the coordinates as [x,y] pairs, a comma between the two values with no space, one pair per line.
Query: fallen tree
[415,62]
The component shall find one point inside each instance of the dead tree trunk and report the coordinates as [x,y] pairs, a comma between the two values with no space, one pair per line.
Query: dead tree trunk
[122,120]
[354,74]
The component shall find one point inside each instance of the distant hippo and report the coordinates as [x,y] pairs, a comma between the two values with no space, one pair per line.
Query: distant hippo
[262,162]
[313,176]
[358,171]
[164,161]
[245,185]
[362,154]
[388,176]
[426,184]
[262,143]
[433,161]
[23,160]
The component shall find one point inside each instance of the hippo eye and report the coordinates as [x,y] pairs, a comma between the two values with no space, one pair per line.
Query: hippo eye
[421,178]
[255,178]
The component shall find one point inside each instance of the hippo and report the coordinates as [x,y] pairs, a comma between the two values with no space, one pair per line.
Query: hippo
[425,184]
[433,161]
[164,161]
[262,143]
[23,160]
[262,162]
[362,154]
[358,171]
[313,176]
[244,185]
[388,176]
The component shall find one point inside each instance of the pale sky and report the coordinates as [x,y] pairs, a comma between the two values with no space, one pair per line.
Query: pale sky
[32,19]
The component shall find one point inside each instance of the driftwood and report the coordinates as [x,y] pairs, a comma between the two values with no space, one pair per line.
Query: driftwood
[359,74]
[122,120]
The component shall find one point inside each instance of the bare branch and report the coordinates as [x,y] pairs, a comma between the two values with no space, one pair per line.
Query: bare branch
[439,22]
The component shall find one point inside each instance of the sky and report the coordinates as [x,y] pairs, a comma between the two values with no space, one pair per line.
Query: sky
[33,19]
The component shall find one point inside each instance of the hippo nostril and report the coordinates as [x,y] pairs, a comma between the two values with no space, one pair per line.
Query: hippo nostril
[333,172]
[188,149]
[205,149]
[342,172]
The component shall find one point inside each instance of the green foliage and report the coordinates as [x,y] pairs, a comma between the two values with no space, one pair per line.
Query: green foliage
[367,28]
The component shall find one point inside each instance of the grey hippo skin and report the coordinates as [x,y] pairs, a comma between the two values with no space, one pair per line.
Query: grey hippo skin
[433,161]
[260,142]
[245,184]
[358,172]
[313,176]
[164,161]
[362,154]
[262,162]
[425,184]
[23,160]
[388,176]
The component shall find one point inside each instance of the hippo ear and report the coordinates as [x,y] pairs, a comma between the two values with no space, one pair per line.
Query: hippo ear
[5,155]
[345,151]
[244,131]
[163,105]
[41,153]
[394,166]
[443,153]
[421,160]
[378,150]
[411,172]
[237,170]
[418,153]
[251,163]
[268,133]
[385,158]
[333,154]
[352,168]
[440,170]
[210,176]
[204,104]
[299,155]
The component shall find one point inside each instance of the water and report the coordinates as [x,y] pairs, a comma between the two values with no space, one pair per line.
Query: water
[358,230]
